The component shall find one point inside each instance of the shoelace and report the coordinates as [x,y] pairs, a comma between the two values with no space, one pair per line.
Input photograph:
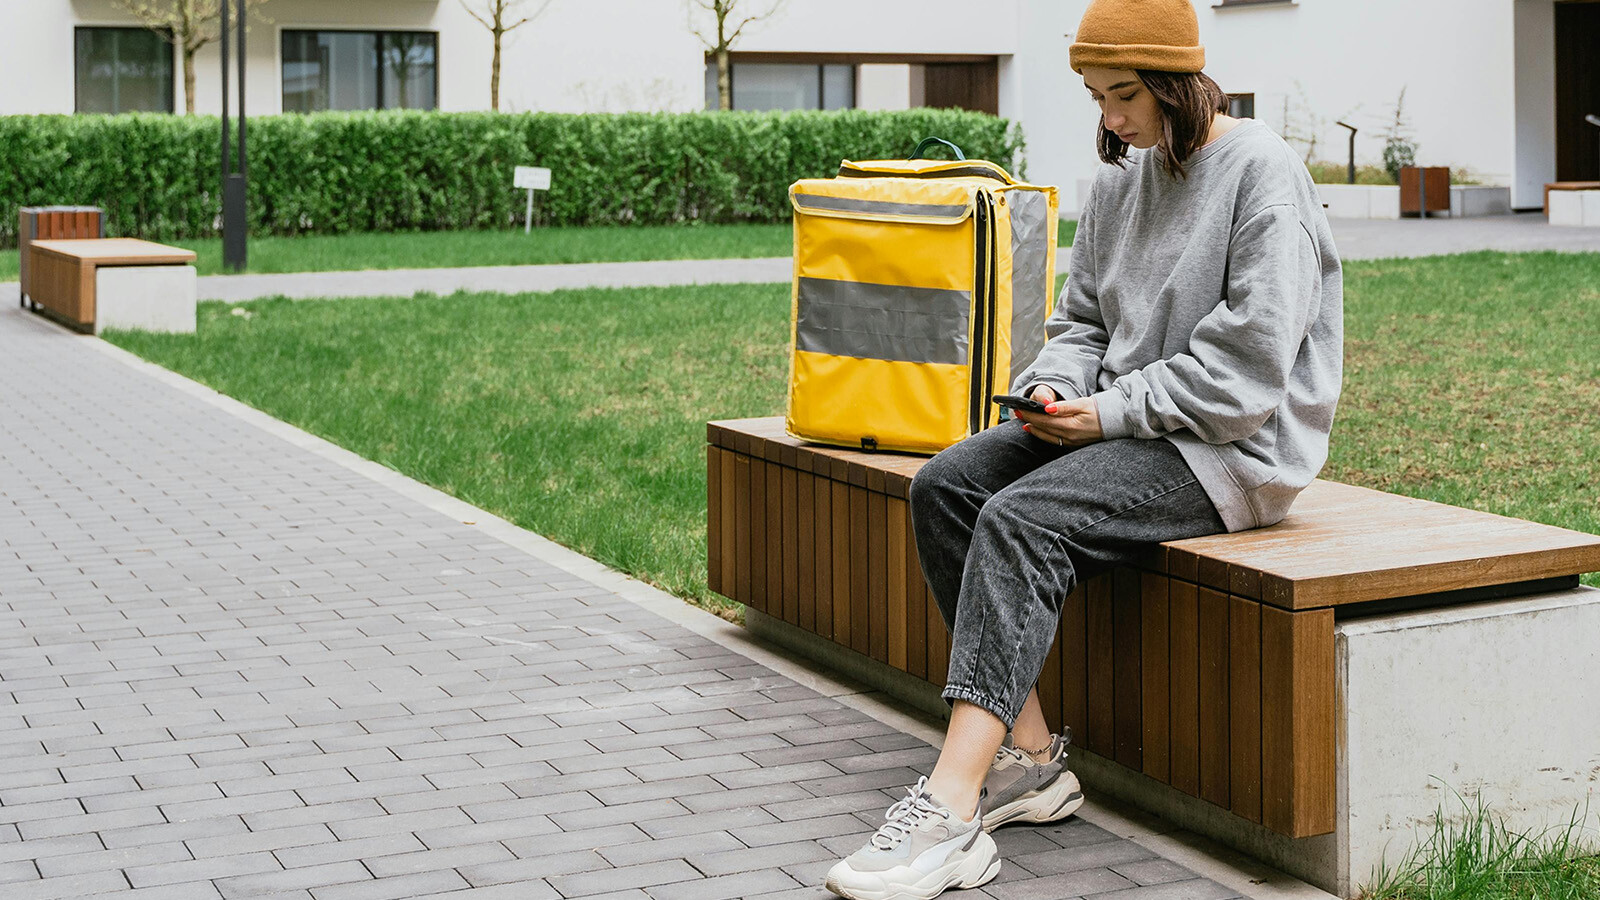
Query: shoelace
[1013,753]
[904,817]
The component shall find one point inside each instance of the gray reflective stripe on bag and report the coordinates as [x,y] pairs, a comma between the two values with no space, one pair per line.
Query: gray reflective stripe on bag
[882,321]
[879,207]
[1029,292]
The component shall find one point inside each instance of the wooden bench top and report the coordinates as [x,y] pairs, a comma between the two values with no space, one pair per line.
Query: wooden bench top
[1572,186]
[1340,544]
[116,251]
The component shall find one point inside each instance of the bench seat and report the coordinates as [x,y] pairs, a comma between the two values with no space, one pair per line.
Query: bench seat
[1208,667]
[155,284]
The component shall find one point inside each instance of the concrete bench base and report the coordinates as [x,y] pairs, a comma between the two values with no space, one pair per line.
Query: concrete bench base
[1492,700]
[147,298]
[1575,209]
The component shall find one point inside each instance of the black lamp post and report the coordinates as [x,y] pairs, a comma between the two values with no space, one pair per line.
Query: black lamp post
[234,183]
[1352,149]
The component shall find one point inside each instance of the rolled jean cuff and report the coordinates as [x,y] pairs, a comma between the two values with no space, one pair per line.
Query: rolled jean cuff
[953,692]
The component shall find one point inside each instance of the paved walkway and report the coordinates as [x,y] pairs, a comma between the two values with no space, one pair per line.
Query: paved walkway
[236,660]
[1356,238]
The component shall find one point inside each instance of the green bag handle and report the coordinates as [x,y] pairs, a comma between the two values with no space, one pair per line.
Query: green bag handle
[928,142]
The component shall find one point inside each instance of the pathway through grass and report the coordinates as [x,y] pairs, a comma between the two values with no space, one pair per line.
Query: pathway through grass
[451,249]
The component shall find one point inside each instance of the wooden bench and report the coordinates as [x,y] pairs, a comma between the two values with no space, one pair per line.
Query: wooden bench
[1208,667]
[64,278]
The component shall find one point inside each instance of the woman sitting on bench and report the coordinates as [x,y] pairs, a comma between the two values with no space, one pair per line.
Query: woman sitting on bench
[1190,379]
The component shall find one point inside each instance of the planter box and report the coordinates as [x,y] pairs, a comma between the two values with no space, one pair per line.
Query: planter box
[1361,201]
[1479,200]
[1436,181]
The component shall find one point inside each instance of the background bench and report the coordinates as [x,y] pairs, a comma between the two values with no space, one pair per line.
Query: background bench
[1208,670]
[101,283]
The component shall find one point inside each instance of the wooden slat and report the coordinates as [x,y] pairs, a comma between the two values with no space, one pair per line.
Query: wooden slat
[823,541]
[1213,573]
[1127,633]
[920,609]
[1155,678]
[788,481]
[1075,664]
[897,533]
[1297,721]
[938,648]
[713,519]
[1102,731]
[878,574]
[1183,564]
[744,528]
[759,540]
[805,547]
[775,546]
[727,470]
[842,561]
[1214,756]
[860,573]
[1183,636]
[1048,684]
[1244,717]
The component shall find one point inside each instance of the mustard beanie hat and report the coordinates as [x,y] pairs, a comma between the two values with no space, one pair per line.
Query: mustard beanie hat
[1162,35]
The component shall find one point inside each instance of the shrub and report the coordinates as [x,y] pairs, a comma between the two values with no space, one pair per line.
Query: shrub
[157,176]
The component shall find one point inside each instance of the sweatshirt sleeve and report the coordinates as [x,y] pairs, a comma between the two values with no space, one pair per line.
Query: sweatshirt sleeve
[1075,334]
[1235,371]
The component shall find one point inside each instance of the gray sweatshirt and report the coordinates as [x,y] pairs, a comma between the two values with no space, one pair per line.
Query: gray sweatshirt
[1209,312]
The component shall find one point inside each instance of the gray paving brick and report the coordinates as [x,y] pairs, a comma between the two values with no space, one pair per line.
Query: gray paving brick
[400,886]
[579,839]
[292,879]
[1152,871]
[1105,853]
[337,851]
[1070,884]
[643,875]
[834,804]
[644,813]
[669,848]
[750,796]
[701,823]
[545,866]
[798,830]
[201,869]
[443,858]
[163,832]
[746,859]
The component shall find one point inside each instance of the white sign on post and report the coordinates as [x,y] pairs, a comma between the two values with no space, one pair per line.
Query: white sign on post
[534,178]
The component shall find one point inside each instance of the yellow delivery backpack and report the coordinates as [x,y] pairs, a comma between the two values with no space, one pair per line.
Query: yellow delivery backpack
[921,287]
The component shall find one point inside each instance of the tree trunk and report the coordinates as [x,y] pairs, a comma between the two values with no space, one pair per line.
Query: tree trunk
[494,75]
[188,81]
[724,80]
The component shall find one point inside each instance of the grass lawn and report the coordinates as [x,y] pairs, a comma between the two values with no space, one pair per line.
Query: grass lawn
[1472,380]
[448,249]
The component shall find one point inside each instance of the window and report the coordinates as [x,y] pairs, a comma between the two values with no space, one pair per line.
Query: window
[786,86]
[122,70]
[360,70]
[1242,106]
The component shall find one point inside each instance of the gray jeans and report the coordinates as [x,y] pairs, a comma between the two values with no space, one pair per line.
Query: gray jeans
[1007,524]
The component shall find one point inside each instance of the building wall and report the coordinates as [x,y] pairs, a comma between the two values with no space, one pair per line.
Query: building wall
[1477,73]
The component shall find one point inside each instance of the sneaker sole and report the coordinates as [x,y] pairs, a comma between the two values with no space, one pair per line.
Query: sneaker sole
[1058,799]
[978,867]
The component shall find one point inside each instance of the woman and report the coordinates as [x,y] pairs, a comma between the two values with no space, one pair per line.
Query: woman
[1190,378]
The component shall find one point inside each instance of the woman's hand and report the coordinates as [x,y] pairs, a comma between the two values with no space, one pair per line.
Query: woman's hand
[1067,423]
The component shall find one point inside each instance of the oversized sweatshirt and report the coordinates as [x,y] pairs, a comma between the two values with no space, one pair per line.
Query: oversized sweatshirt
[1209,312]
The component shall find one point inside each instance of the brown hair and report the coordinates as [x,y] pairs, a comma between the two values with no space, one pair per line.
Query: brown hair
[1188,101]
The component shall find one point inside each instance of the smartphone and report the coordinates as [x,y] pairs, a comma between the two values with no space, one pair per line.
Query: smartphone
[1012,401]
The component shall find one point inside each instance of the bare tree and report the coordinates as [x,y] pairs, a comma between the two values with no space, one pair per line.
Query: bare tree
[725,12]
[495,16]
[187,25]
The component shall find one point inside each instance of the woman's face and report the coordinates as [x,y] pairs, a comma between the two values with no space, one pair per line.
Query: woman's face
[1127,105]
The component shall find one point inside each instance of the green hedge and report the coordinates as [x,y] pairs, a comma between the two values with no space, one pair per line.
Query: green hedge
[157,176]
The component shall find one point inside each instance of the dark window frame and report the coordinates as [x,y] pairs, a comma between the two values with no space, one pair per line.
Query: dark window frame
[801,60]
[377,33]
[172,66]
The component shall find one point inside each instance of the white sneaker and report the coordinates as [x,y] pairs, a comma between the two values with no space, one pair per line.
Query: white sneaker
[1021,790]
[921,850]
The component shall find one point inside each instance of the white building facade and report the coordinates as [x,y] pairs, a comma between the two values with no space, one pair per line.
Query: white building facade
[1499,88]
